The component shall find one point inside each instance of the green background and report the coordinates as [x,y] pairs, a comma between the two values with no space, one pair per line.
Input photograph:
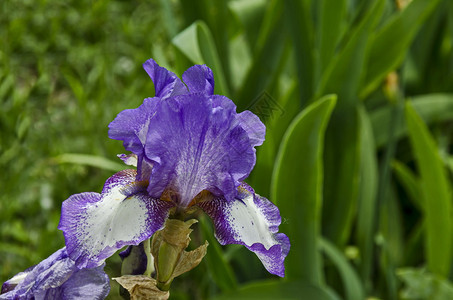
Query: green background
[357,97]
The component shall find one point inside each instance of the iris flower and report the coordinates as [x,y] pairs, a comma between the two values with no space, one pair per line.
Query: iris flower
[57,277]
[192,151]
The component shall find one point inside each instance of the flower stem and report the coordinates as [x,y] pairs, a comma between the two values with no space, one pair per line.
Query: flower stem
[168,248]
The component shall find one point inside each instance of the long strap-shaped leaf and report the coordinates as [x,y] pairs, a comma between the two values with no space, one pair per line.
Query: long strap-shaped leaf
[297,188]
[391,43]
[197,43]
[436,194]
[366,211]
[431,108]
[352,285]
[342,155]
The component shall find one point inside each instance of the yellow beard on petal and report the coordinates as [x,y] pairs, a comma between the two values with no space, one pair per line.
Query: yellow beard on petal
[202,196]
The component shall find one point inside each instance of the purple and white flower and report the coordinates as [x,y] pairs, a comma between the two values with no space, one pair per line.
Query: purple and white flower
[57,277]
[192,150]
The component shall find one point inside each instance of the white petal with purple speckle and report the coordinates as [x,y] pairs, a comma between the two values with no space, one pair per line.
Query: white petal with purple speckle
[97,225]
[252,221]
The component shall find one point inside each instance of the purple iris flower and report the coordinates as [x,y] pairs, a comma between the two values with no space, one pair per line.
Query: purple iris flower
[192,150]
[57,277]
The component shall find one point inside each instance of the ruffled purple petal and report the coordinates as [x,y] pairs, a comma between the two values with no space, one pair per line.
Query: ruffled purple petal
[222,102]
[96,225]
[250,122]
[83,284]
[166,83]
[255,129]
[199,79]
[196,145]
[12,283]
[252,221]
[131,126]
[57,277]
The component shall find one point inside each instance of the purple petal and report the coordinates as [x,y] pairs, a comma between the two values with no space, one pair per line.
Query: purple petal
[253,126]
[131,126]
[12,283]
[223,102]
[196,145]
[166,83]
[252,221]
[199,79]
[96,225]
[135,260]
[130,160]
[250,122]
[83,284]
[57,277]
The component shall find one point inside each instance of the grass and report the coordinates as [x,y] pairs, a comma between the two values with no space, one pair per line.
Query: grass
[68,67]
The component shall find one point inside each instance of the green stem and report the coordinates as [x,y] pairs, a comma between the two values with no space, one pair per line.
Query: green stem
[149,258]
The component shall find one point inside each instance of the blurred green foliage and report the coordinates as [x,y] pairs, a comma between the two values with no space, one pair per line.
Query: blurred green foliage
[363,182]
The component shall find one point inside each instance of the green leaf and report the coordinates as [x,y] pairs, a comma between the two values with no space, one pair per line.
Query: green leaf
[90,160]
[299,22]
[250,13]
[187,42]
[77,88]
[220,270]
[277,121]
[392,42]
[268,57]
[217,17]
[332,19]
[342,155]
[367,196]
[197,43]
[169,19]
[390,239]
[431,108]
[410,183]
[420,284]
[342,163]
[297,188]
[240,60]
[436,194]
[272,289]
[6,84]
[344,72]
[352,285]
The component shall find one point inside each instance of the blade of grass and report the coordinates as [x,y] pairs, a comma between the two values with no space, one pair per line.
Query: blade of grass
[90,160]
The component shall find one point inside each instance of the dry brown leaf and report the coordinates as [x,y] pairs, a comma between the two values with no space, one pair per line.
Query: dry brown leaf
[142,287]
[190,260]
